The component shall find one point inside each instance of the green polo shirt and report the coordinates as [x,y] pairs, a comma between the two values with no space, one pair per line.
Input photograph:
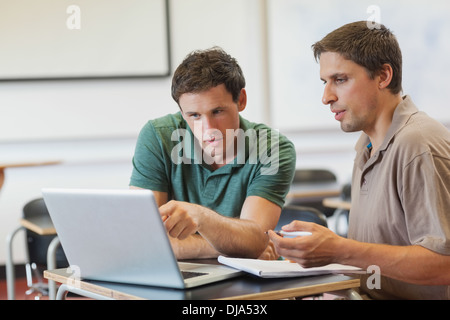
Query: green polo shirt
[168,159]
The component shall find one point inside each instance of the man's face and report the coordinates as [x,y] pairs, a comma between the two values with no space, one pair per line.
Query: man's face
[350,92]
[209,114]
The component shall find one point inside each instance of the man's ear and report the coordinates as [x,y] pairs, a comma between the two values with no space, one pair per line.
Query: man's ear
[385,76]
[242,101]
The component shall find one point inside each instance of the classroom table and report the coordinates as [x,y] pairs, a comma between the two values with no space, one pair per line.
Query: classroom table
[313,190]
[243,287]
[4,166]
[337,203]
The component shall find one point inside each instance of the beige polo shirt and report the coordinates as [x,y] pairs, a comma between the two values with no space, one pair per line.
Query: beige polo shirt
[401,195]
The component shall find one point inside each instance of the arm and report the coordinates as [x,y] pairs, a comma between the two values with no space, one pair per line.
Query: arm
[193,246]
[413,264]
[239,237]
[217,234]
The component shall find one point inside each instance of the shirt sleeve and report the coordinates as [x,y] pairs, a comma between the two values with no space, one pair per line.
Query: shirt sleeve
[274,178]
[426,198]
[149,169]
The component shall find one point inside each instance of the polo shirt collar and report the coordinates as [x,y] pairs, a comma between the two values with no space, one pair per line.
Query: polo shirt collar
[402,114]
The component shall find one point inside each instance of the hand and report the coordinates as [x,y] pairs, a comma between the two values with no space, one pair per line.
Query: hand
[315,250]
[269,253]
[181,219]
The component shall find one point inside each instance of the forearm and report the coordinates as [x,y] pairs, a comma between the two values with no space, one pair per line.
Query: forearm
[237,237]
[193,247]
[413,264]
[232,236]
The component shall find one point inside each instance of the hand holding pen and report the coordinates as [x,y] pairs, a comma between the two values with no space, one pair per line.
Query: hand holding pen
[292,234]
[317,248]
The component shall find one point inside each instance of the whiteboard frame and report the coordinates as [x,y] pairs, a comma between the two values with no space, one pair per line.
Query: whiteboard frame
[114,74]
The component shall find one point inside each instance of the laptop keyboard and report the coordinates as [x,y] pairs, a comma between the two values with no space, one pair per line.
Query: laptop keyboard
[189,274]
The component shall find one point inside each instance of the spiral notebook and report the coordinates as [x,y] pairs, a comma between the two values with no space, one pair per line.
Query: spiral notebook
[283,268]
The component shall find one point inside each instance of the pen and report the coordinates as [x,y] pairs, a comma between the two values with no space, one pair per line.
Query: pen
[292,234]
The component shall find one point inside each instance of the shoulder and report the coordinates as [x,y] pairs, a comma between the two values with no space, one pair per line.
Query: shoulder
[263,131]
[275,152]
[157,133]
[423,134]
[174,121]
[163,126]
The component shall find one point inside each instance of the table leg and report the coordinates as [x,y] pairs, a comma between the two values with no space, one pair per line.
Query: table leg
[51,265]
[64,289]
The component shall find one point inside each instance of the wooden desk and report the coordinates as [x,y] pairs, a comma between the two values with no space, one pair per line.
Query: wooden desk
[245,287]
[40,225]
[4,166]
[337,203]
[314,190]
[28,164]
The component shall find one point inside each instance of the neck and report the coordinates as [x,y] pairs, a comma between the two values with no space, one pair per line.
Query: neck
[384,120]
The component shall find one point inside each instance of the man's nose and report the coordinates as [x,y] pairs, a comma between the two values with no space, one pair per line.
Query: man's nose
[208,123]
[329,95]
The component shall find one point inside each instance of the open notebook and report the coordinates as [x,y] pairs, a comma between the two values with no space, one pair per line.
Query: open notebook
[283,268]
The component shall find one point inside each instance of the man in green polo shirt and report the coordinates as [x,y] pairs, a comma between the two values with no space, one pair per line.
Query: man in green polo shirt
[220,180]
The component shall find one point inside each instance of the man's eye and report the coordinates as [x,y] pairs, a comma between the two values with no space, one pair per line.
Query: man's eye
[340,80]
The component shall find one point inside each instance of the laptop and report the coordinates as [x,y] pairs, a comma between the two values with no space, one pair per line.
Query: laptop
[118,236]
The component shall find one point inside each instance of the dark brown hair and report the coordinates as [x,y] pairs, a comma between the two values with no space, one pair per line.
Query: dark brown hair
[371,46]
[204,69]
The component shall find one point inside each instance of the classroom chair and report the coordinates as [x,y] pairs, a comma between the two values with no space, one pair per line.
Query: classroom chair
[313,177]
[302,213]
[37,247]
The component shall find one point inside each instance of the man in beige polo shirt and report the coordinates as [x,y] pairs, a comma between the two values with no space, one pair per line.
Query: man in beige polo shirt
[400,214]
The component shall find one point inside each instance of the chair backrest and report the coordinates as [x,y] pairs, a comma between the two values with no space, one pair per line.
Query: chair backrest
[346,193]
[302,213]
[313,175]
[37,245]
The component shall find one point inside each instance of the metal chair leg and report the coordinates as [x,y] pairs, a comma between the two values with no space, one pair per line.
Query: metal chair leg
[10,272]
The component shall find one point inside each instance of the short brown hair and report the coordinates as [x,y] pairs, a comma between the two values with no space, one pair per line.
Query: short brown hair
[369,46]
[204,69]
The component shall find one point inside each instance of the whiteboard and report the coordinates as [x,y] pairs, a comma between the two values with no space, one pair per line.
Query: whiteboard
[422,28]
[48,39]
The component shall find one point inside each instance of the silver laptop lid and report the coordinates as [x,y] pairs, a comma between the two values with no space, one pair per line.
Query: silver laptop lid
[114,235]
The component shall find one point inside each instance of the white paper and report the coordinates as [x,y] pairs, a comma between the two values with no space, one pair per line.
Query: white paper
[282,268]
